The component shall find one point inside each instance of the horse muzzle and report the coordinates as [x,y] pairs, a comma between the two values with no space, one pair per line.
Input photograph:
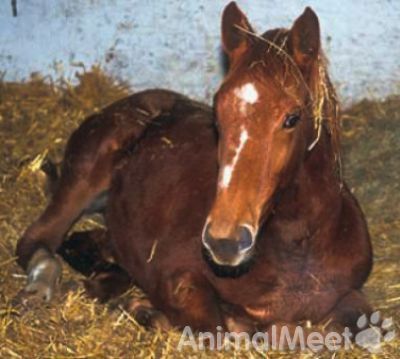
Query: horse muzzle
[231,250]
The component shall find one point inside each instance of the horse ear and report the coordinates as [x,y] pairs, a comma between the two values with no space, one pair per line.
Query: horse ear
[235,31]
[304,39]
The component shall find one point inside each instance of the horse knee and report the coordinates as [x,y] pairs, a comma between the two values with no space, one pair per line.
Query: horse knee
[190,300]
[348,310]
[182,289]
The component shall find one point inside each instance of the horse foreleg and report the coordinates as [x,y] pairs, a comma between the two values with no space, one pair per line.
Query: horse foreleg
[147,315]
[187,299]
[346,312]
[183,299]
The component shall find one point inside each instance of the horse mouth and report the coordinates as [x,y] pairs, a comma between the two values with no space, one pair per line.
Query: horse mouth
[227,270]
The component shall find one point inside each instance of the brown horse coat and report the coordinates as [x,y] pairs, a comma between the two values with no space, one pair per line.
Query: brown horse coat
[160,157]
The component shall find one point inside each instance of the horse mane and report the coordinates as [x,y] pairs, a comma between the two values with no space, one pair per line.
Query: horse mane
[324,101]
[326,111]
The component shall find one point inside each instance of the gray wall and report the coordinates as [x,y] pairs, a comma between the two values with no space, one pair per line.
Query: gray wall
[176,43]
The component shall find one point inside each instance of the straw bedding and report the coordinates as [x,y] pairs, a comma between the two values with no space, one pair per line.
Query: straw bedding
[36,118]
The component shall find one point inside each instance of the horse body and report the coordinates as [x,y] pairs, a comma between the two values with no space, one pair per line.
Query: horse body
[163,185]
[233,216]
[313,251]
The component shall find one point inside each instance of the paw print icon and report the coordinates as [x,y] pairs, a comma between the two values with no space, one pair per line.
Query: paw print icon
[374,332]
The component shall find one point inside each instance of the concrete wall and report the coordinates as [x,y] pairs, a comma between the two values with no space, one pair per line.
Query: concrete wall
[176,43]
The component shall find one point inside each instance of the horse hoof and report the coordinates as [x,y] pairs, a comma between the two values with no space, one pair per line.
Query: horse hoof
[44,273]
[237,325]
[145,314]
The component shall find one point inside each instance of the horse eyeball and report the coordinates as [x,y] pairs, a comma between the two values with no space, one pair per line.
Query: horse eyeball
[291,121]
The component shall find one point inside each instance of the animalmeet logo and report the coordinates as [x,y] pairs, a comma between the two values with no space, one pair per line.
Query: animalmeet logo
[373,332]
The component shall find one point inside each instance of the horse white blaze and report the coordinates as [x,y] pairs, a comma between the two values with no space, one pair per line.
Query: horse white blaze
[248,95]
[227,171]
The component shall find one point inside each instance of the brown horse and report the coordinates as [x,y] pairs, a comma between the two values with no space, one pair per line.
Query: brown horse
[240,225]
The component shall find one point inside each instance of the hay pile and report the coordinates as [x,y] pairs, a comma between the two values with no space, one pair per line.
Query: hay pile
[36,118]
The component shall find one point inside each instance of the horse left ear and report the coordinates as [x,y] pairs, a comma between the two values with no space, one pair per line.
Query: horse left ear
[304,39]
[235,29]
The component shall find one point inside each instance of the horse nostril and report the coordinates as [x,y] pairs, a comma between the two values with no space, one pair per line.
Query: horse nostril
[207,238]
[220,246]
[241,242]
[245,238]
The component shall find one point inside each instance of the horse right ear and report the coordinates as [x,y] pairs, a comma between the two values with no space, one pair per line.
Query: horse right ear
[304,39]
[235,31]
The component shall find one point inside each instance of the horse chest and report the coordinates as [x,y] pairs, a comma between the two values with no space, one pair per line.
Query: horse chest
[284,294]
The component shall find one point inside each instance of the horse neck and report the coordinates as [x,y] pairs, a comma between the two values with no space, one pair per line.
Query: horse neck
[315,191]
[314,197]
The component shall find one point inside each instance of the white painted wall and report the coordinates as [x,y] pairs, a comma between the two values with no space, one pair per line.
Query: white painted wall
[175,43]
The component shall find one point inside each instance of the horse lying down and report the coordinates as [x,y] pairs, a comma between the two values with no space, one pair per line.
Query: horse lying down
[234,216]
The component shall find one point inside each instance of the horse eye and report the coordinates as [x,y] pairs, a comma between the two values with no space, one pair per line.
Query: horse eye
[291,121]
